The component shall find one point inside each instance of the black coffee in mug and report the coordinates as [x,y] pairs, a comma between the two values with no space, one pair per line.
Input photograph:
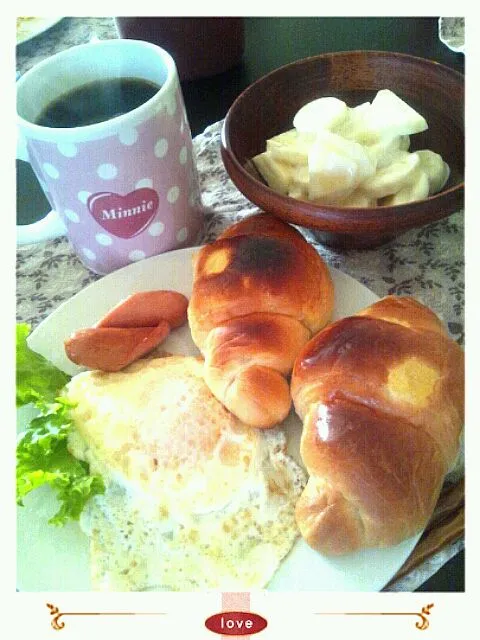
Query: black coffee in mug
[96,101]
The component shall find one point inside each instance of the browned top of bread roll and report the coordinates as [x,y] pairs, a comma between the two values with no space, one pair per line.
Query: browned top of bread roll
[259,265]
[405,311]
[263,224]
[381,397]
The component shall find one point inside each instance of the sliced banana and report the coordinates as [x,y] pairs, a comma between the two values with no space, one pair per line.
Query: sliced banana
[393,177]
[353,157]
[404,143]
[356,126]
[300,178]
[291,146]
[336,166]
[320,114]
[389,113]
[332,174]
[446,174]
[436,169]
[358,199]
[416,189]
[365,162]
[296,193]
[384,151]
[278,175]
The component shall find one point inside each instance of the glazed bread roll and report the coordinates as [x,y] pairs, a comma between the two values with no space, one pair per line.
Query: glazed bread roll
[260,291]
[381,397]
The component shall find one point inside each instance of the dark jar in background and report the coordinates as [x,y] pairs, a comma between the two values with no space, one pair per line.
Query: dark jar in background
[200,46]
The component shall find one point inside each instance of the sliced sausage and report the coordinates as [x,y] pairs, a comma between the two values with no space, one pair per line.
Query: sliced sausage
[112,348]
[146,309]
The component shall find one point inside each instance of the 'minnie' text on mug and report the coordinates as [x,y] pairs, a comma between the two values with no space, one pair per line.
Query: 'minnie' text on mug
[124,216]
[116,214]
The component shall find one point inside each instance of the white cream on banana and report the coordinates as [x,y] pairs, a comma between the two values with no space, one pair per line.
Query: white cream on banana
[320,115]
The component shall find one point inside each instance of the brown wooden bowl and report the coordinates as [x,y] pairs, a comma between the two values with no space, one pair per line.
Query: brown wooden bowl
[266,108]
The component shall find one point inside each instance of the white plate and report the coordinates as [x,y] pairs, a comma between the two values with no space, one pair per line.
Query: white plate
[56,559]
[31,27]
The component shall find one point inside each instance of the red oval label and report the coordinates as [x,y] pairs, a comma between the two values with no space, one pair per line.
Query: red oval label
[124,216]
[236,623]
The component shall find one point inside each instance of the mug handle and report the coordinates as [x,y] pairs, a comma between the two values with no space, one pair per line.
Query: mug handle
[49,227]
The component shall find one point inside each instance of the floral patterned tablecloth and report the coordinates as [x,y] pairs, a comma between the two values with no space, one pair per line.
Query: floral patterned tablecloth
[427,263]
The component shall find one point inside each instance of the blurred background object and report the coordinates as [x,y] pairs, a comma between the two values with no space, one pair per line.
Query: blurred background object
[451,32]
[200,46]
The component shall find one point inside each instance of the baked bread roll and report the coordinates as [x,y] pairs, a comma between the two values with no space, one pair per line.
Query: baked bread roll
[381,397]
[260,291]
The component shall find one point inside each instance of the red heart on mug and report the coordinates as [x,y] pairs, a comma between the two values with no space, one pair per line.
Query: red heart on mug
[124,216]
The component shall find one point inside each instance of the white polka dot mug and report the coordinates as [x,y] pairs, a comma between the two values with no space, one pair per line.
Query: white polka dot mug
[122,189]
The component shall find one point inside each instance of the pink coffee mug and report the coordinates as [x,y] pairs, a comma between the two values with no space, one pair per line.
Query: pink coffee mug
[123,189]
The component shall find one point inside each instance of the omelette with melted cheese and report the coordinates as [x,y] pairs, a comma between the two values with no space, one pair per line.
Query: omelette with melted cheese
[194,499]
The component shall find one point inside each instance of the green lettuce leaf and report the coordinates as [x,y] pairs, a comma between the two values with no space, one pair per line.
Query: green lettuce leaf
[37,378]
[42,453]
